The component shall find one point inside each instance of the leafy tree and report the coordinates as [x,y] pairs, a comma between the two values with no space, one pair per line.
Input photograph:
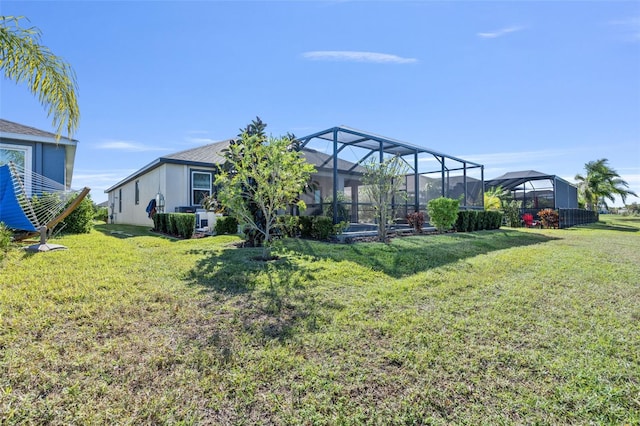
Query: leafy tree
[24,60]
[261,177]
[443,212]
[382,183]
[601,183]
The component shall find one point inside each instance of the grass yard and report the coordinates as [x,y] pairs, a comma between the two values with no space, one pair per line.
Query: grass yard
[521,326]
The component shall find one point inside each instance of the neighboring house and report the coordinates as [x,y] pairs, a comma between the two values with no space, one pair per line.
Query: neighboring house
[184,178]
[37,151]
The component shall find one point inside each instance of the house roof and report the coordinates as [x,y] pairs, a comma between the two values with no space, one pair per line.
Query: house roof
[512,180]
[14,130]
[212,154]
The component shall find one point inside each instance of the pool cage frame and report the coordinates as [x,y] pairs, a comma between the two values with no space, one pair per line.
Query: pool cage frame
[361,146]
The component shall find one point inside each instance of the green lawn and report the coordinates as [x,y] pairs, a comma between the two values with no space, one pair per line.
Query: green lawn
[496,327]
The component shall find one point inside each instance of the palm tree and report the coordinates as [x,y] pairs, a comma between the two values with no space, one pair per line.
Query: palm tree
[601,183]
[495,198]
[24,60]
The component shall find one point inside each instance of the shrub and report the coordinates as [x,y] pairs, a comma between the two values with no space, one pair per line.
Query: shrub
[184,224]
[101,213]
[512,213]
[226,225]
[443,212]
[464,221]
[322,228]
[478,220]
[416,221]
[5,237]
[306,226]
[161,222]
[549,218]
[172,226]
[80,221]
[290,225]
[494,219]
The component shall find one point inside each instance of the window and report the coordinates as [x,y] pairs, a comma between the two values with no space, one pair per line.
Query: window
[200,186]
[21,157]
[120,200]
[137,192]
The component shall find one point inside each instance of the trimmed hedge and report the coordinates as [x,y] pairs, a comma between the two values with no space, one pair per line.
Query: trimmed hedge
[478,220]
[315,227]
[226,225]
[178,224]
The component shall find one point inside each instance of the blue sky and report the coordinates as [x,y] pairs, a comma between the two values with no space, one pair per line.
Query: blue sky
[513,85]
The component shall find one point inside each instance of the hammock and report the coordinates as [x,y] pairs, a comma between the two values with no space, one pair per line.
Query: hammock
[33,203]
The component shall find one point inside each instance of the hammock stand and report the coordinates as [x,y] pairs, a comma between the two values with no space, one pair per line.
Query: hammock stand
[35,207]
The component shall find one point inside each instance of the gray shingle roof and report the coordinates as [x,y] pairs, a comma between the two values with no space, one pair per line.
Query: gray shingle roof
[211,153]
[20,129]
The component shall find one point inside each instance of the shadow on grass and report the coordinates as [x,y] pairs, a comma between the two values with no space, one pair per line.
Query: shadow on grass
[410,255]
[609,226]
[130,231]
[273,298]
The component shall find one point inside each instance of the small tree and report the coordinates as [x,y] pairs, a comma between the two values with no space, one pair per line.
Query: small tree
[443,212]
[382,182]
[260,178]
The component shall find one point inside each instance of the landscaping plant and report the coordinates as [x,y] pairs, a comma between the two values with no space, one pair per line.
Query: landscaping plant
[416,221]
[443,212]
[261,176]
[382,181]
[549,218]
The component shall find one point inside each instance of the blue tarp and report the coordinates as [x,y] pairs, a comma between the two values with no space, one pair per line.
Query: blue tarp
[10,211]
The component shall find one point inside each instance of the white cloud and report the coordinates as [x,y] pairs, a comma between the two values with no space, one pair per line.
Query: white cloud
[500,33]
[352,56]
[128,146]
[630,28]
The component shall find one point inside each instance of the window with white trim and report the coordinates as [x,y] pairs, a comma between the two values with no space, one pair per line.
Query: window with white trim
[21,156]
[201,183]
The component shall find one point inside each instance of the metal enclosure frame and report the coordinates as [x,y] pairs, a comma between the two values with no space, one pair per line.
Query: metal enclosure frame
[341,139]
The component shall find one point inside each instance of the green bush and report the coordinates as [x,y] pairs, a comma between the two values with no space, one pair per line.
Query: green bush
[322,228]
[80,221]
[512,213]
[178,224]
[478,220]
[465,220]
[101,213]
[443,212]
[172,226]
[184,223]
[306,226]
[289,225]
[226,225]
[495,219]
[161,222]
[5,237]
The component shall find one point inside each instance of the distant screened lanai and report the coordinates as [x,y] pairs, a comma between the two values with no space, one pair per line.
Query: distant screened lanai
[537,190]
[339,191]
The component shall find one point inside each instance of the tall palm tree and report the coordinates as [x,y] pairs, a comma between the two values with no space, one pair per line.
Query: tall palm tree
[24,60]
[601,183]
